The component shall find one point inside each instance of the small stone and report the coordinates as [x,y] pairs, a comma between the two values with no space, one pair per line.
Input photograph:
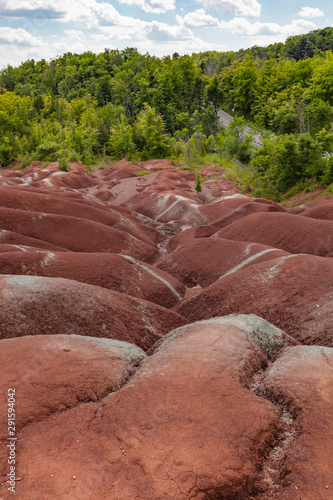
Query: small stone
[74,477]
[66,349]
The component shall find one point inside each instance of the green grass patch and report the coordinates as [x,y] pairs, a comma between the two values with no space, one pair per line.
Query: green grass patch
[329,190]
[305,187]
[141,173]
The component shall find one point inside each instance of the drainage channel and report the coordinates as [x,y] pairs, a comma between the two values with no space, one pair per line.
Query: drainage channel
[271,476]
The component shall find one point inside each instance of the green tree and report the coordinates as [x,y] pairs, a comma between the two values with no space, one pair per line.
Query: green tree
[6,151]
[198,186]
[322,81]
[245,84]
[214,93]
[121,141]
[149,134]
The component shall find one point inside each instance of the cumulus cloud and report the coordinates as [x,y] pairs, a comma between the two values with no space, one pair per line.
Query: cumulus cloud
[258,33]
[155,6]
[186,46]
[246,8]
[162,32]
[87,14]
[89,25]
[18,37]
[198,19]
[242,27]
[37,9]
[239,26]
[310,12]
[34,11]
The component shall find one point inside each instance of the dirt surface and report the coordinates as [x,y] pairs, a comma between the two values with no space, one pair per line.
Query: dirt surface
[120,273]
[54,305]
[221,258]
[149,432]
[285,291]
[285,231]
[296,202]
[319,211]
[163,343]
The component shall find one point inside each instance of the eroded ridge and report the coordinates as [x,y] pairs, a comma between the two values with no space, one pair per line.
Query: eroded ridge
[155,455]
[159,338]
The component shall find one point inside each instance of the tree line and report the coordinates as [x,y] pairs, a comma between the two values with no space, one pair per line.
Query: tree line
[122,103]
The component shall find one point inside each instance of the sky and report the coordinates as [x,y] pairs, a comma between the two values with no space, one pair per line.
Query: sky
[44,29]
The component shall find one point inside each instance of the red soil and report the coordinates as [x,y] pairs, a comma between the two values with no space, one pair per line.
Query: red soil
[112,271]
[229,407]
[285,231]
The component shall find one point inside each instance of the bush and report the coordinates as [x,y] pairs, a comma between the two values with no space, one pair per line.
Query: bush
[6,151]
[47,151]
[64,164]
[198,186]
[327,177]
[24,159]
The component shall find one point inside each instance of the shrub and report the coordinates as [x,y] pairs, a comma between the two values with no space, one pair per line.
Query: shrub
[6,151]
[47,151]
[63,163]
[198,186]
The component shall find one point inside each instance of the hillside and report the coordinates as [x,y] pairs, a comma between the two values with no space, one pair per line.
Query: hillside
[162,343]
[87,107]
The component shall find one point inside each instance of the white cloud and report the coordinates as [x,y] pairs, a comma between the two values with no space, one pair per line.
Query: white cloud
[242,27]
[155,6]
[87,25]
[76,35]
[247,8]
[17,45]
[162,32]
[104,20]
[180,46]
[85,14]
[257,33]
[35,9]
[198,19]
[18,37]
[310,12]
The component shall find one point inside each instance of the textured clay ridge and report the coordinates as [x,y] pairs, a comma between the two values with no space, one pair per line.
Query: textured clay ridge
[163,344]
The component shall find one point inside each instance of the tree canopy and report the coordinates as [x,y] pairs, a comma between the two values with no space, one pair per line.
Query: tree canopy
[123,103]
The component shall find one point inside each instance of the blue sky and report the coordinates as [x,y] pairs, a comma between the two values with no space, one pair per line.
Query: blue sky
[47,28]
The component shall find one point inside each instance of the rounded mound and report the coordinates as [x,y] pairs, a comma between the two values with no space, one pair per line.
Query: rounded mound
[288,232]
[44,306]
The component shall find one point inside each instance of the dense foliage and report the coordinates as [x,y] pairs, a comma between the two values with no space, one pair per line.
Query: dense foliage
[122,103]
[118,103]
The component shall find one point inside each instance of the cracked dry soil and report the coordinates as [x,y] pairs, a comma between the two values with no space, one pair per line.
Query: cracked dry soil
[210,413]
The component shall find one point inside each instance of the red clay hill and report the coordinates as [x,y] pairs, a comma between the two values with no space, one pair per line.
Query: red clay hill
[158,343]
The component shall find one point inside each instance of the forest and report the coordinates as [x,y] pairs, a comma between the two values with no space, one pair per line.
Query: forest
[88,107]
